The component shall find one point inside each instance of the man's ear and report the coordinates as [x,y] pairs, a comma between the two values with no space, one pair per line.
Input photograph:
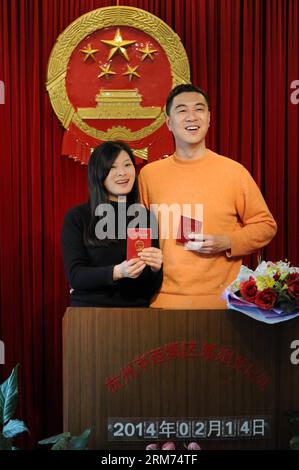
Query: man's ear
[167,121]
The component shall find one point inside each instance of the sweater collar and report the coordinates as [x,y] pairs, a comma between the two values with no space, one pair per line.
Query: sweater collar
[190,163]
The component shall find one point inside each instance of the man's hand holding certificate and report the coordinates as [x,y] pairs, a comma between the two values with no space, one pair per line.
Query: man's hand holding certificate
[191,235]
[208,244]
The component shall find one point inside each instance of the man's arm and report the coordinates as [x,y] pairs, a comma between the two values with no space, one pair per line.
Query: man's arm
[258,225]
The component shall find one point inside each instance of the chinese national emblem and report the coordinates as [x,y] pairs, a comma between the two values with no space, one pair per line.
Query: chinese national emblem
[109,74]
[139,245]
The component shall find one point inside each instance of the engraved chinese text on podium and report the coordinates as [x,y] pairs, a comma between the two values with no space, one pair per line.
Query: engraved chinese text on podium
[140,364]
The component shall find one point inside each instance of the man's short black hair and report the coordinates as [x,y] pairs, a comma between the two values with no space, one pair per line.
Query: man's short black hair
[184,88]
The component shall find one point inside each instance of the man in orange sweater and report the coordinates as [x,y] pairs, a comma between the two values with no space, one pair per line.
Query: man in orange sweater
[236,220]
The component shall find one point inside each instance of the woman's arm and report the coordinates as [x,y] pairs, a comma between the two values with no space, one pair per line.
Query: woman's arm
[80,274]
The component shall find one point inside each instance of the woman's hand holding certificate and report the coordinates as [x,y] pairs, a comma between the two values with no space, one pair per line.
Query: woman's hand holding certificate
[153,257]
[132,268]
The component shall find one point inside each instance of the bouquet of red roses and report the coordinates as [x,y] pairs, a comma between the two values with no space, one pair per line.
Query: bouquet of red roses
[270,293]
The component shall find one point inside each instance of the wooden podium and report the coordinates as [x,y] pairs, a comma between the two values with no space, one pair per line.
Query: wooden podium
[137,376]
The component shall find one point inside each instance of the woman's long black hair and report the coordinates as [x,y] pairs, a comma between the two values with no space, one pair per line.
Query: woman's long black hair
[99,165]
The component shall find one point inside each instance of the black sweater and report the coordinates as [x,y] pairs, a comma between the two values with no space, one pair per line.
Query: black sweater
[89,268]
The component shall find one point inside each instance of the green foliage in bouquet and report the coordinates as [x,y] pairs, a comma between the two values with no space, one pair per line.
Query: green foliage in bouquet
[8,404]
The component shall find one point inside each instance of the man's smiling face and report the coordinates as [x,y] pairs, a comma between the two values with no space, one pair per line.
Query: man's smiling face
[189,119]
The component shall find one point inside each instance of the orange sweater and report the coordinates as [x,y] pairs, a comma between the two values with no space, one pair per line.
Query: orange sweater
[232,205]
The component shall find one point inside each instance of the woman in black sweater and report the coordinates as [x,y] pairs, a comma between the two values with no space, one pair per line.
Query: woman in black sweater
[94,236]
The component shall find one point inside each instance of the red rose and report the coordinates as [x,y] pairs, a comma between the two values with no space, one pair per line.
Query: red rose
[265,299]
[293,284]
[248,289]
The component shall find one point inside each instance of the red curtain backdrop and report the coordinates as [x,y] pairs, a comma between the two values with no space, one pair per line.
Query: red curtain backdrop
[244,53]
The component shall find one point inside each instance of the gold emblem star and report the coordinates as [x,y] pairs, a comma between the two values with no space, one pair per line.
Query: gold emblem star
[89,52]
[147,52]
[106,71]
[131,71]
[118,45]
